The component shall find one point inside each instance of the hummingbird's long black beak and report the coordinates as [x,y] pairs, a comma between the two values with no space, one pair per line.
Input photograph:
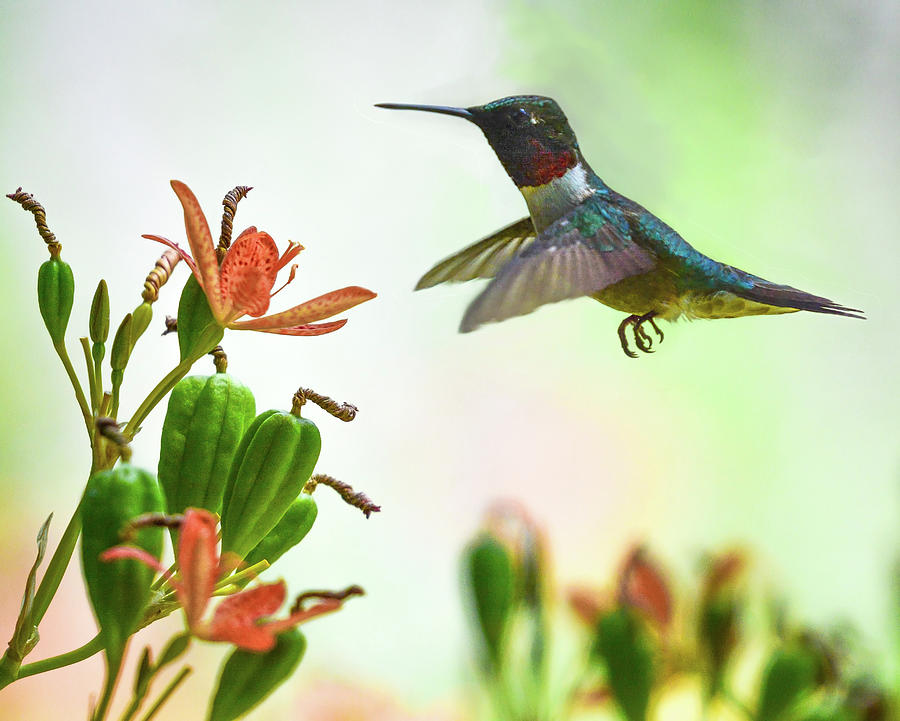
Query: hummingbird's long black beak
[442,109]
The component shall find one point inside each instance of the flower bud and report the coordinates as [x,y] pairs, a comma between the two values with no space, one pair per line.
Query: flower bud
[491,579]
[121,347]
[789,674]
[99,318]
[140,320]
[622,645]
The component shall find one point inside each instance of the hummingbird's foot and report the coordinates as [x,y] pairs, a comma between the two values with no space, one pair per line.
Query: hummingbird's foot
[642,340]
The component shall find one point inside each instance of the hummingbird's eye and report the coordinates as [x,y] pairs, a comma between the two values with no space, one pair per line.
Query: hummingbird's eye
[519,118]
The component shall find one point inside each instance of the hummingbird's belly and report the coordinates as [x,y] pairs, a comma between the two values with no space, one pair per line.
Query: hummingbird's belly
[640,294]
[657,291]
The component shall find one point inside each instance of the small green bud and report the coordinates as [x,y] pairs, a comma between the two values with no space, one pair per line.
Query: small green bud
[789,674]
[274,461]
[289,531]
[247,678]
[56,292]
[622,645]
[140,321]
[119,590]
[198,332]
[121,348]
[99,319]
[491,578]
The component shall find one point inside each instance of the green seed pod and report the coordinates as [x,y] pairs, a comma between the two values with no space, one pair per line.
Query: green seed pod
[288,532]
[205,421]
[274,461]
[119,590]
[247,678]
[198,332]
[140,320]
[491,578]
[56,291]
[622,645]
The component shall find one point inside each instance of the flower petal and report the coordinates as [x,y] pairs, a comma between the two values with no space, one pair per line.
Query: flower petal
[198,562]
[310,329]
[325,306]
[117,553]
[181,252]
[320,609]
[201,243]
[235,618]
[248,274]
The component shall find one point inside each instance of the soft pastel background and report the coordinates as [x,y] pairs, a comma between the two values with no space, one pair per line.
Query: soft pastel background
[765,132]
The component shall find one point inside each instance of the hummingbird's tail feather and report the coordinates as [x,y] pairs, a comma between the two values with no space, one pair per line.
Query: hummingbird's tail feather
[483,259]
[784,296]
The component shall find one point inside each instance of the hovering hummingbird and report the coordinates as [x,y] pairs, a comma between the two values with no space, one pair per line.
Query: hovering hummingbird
[582,238]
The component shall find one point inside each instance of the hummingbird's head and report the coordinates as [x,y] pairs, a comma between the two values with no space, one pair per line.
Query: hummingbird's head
[529,133]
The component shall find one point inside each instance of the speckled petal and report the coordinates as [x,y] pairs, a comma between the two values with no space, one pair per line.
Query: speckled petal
[325,306]
[248,273]
[201,244]
[310,328]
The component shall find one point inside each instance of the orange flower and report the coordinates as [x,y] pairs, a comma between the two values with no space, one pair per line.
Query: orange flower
[242,285]
[238,619]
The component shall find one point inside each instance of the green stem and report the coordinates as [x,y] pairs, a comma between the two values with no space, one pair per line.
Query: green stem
[76,385]
[92,375]
[736,703]
[156,395]
[117,377]
[93,646]
[112,678]
[168,691]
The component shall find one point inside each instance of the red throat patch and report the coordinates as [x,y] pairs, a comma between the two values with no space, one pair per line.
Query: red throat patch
[544,165]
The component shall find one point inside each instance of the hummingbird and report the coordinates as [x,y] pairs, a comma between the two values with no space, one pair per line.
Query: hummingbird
[582,238]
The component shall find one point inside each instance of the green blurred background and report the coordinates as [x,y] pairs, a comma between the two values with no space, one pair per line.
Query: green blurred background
[765,132]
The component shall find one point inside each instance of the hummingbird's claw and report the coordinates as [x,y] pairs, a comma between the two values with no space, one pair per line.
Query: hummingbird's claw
[642,340]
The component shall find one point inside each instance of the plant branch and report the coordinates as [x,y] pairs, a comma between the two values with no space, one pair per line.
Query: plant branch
[95,645]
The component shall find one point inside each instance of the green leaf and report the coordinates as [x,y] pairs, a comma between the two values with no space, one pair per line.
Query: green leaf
[622,645]
[176,646]
[144,674]
[247,678]
[198,332]
[26,636]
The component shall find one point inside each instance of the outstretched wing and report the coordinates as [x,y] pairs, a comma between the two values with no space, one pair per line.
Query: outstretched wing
[482,259]
[561,263]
